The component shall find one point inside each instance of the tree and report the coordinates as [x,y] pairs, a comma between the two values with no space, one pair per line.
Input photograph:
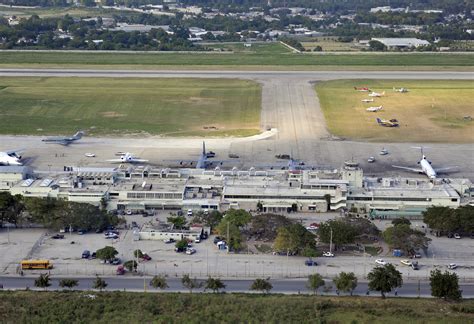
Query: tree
[210,219]
[43,281]
[262,285]
[68,283]
[159,282]
[191,283]
[131,265]
[384,279]
[238,217]
[181,244]
[377,46]
[317,48]
[445,219]
[265,226]
[405,238]
[346,281]
[445,285]
[295,238]
[99,283]
[138,253]
[343,232]
[106,253]
[401,221]
[178,221]
[315,281]
[214,284]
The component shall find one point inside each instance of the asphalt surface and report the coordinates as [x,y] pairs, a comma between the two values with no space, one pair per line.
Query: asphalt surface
[289,104]
[290,286]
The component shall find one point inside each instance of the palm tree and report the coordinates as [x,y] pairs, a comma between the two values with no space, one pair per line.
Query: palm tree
[262,285]
[214,284]
[68,283]
[159,282]
[43,281]
[190,283]
[99,283]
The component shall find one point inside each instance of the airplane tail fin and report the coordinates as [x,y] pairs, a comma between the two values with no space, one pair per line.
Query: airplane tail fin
[379,121]
[203,148]
[78,135]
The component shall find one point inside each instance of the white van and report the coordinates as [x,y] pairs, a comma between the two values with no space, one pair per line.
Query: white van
[190,212]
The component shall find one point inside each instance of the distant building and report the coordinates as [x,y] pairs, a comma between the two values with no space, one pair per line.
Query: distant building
[400,43]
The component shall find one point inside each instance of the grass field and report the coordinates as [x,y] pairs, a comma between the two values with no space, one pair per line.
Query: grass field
[123,307]
[255,48]
[107,106]
[262,60]
[432,111]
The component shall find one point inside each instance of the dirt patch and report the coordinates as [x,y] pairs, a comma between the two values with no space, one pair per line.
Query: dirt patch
[112,114]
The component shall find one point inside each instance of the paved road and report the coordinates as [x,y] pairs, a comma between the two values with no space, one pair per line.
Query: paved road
[289,286]
[289,103]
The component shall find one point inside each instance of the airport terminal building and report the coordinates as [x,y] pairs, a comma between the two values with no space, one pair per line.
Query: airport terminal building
[139,189]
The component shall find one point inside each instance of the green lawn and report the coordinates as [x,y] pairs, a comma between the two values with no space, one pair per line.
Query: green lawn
[123,307]
[107,106]
[261,58]
[432,111]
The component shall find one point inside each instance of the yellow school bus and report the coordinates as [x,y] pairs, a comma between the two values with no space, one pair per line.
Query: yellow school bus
[36,264]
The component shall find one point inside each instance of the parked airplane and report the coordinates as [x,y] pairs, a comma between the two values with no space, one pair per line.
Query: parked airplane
[374,109]
[425,167]
[362,89]
[367,100]
[127,157]
[387,123]
[202,161]
[401,90]
[376,94]
[64,140]
[11,157]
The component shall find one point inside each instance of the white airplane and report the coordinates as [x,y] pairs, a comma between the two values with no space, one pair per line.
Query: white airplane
[401,90]
[11,157]
[374,109]
[126,157]
[376,94]
[425,167]
[367,100]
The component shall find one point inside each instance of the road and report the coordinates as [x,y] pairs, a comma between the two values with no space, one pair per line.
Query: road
[289,104]
[285,286]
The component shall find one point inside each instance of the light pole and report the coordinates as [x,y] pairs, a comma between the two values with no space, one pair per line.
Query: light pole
[330,240]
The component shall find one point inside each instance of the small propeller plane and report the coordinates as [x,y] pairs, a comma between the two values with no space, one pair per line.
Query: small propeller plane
[367,100]
[376,94]
[401,90]
[11,157]
[127,157]
[362,89]
[387,123]
[374,109]
[425,167]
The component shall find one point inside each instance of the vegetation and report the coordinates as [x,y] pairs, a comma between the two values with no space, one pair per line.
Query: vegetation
[99,283]
[118,106]
[295,239]
[43,281]
[446,220]
[107,253]
[405,238]
[436,114]
[210,219]
[52,213]
[230,226]
[346,282]
[262,285]
[131,265]
[315,281]
[384,279]
[178,221]
[445,285]
[214,284]
[159,282]
[191,284]
[264,226]
[88,307]
[68,283]
[181,245]
[342,232]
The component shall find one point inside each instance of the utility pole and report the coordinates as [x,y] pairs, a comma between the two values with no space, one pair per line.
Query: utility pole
[228,237]
[330,241]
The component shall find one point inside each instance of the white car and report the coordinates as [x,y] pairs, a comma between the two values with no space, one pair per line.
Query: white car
[384,151]
[381,262]
[190,251]
[371,159]
[457,236]
[405,262]
[328,254]
[89,155]
[452,266]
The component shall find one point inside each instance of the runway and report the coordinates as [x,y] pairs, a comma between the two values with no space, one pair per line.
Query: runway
[289,104]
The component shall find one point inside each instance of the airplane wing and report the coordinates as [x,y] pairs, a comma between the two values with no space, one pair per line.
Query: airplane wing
[442,170]
[115,161]
[14,151]
[408,168]
[138,160]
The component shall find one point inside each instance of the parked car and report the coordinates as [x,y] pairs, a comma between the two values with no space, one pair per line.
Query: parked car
[81,231]
[371,159]
[120,271]
[57,236]
[328,254]
[190,251]
[415,266]
[146,257]
[179,250]
[217,239]
[381,262]
[94,255]
[197,240]
[457,236]
[86,254]
[134,224]
[190,212]
[116,261]
[310,263]
[111,236]
[452,266]
[169,241]
[406,262]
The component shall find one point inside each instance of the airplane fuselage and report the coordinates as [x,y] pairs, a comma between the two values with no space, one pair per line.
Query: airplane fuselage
[427,168]
[9,159]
